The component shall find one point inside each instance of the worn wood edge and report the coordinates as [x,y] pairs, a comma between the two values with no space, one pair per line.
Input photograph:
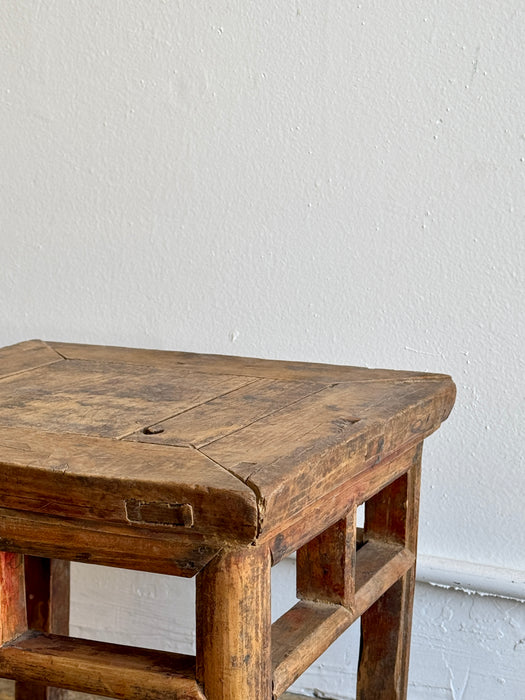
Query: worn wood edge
[305,631]
[382,422]
[107,669]
[105,496]
[253,366]
[105,544]
[379,565]
[375,440]
[276,515]
[289,536]
[137,451]
[24,346]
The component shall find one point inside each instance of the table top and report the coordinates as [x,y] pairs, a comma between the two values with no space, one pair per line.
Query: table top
[218,444]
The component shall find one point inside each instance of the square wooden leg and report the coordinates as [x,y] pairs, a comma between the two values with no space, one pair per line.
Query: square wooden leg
[47,594]
[391,515]
[234,625]
[13,619]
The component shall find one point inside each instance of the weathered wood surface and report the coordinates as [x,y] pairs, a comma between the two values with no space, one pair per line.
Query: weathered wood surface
[26,356]
[326,565]
[105,399]
[324,445]
[392,515]
[13,618]
[321,514]
[229,364]
[217,466]
[273,438]
[47,599]
[234,626]
[93,479]
[305,631]
[228,414]
[103,543]
[96,667]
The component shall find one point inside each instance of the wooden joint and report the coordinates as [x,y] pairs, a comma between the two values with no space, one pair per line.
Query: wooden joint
[326,564]
[303,633]
[391,514]
[173,514]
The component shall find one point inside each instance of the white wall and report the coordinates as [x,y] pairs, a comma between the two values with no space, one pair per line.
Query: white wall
[331,181]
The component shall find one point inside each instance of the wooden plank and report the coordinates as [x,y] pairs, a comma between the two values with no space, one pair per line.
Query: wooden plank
[288,459]
[303,633]
[233,625]
[247,366]
[103,543]
[228,413]
[386,626]
[26,356]
[406,409]
[378,567]
[297,455]
[94,478]
[385,418]
[13,619]
[47,598]
[326,564]
[108,400]
[314,423]
[96,667]
[326,511]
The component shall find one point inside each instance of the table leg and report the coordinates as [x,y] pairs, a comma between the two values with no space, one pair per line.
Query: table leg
[47,594]
[234,625]
[13,619]
[385,627]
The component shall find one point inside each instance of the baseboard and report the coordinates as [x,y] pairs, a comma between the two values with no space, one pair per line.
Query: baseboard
[471,578]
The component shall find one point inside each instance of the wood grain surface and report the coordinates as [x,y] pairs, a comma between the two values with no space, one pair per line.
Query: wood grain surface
[234,625]
[47,600]
[218,467]
[241,446]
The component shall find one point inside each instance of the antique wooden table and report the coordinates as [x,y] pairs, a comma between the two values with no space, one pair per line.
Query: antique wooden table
[217,467]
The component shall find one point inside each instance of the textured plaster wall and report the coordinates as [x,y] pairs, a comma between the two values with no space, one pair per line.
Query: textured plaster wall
[331,181]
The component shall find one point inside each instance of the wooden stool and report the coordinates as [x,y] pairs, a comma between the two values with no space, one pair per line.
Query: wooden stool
[217,467]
